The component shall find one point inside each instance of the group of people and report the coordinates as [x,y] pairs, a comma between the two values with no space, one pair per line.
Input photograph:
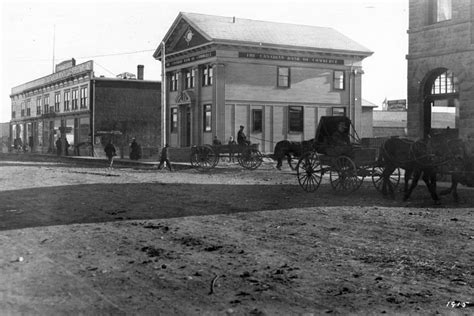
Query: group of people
[135,149]
[135,154]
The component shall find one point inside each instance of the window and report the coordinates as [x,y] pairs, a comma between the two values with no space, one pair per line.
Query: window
[189,79]
[57,101]
[174,120]
[13,114]
[257,120]
[46,104]
[83,98]
[38,106]
[444,84]
[67,100]
[28,107]
[283,77]
[338,80]
[295,119]
[439,10]
[22,108]
[74,99]
[207,75]
[207,117]
[338,111]
[174,82]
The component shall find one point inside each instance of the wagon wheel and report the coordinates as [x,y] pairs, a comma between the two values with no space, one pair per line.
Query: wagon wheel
[204,157]
[250,158]
[343,175]
[309,171]
[377,179]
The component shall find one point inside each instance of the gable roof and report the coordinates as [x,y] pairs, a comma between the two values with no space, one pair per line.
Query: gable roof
[246,31]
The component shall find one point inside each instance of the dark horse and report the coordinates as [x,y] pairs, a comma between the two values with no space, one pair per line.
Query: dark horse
[289,149]
[415,158]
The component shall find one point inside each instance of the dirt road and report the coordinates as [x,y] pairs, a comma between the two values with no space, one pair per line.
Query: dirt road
[79,240]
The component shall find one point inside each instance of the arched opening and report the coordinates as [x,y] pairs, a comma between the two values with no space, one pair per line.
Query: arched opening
[441,102]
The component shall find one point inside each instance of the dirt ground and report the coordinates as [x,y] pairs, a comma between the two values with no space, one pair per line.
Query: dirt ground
[76,239]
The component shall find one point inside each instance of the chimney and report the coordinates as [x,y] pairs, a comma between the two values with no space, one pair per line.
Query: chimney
[233,19]
[140,72]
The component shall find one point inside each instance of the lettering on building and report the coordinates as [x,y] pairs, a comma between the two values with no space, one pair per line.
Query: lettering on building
[317,60]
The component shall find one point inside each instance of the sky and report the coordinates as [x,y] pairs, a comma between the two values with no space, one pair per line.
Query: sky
[119,35]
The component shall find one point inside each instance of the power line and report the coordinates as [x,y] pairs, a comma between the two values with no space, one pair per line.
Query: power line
[95,62]
[94,56]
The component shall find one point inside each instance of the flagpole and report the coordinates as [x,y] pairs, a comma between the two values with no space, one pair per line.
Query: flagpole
[163,95]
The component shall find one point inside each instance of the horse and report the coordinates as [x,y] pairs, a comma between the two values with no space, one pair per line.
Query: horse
[289,149]
[461,168]
[414,158]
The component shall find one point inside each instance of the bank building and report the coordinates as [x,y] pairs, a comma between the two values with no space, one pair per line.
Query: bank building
[275,79]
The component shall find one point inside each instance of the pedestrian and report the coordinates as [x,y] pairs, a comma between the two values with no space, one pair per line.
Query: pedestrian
[135,150]
[241,138]
[58,146]
[231,144]
[66,146]
[165,158]
[110,152]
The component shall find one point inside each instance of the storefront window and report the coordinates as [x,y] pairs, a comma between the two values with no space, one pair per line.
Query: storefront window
[257,120]
[339,111]
[295,119]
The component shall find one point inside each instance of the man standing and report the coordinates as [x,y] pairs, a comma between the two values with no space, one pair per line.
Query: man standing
[165,158]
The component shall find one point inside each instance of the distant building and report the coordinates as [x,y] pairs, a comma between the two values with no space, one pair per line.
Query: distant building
[75,105]
[440,65]
[275,79]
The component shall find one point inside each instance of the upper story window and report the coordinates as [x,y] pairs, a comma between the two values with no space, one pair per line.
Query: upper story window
[46,104]
[74,99]
[189,79]
[439,10]
[174,82]
[22,108]
[83,97]
[207,118]
[338,80]
[207,75]
[38,106]
[257,119]
[283,80]
[67,100]
[295,119]
[174,120]
[57,101]
[28,107]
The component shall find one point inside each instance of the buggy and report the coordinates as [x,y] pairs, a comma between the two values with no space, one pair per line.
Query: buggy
[208,156]
[347,165]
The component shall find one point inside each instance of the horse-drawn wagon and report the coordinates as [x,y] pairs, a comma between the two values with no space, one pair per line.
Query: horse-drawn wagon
[208,156]
[338,151]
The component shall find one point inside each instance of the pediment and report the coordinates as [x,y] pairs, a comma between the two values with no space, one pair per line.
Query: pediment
[184,36]
[185,97]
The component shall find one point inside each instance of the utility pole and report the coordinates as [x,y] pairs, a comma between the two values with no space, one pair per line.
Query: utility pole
[163,95]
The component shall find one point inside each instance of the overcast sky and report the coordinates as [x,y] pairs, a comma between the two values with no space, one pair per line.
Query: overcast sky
[119,35]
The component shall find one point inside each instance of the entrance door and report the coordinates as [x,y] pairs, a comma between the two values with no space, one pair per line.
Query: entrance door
[185,126]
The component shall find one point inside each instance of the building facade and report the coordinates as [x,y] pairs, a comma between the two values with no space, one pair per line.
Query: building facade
[72,104]
[275,79]
[441,65]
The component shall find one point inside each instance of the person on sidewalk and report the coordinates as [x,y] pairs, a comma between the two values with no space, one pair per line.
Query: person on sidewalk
[165,158]
[110,152]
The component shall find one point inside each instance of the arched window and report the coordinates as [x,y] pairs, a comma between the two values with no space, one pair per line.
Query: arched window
[445,83]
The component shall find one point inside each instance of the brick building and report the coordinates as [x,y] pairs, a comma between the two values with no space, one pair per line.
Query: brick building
[441,65]
[72,104]
[275,79]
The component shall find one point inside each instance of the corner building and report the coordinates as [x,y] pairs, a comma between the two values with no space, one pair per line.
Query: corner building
[440,65]
[75,105]
[275,79]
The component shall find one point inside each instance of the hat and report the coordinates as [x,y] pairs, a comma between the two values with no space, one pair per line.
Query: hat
[241,126]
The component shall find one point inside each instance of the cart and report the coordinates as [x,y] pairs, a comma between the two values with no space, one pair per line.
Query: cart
[208,156]
[347,167]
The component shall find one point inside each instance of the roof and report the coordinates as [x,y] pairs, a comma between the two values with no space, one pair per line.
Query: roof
[366,103]
[230,29]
